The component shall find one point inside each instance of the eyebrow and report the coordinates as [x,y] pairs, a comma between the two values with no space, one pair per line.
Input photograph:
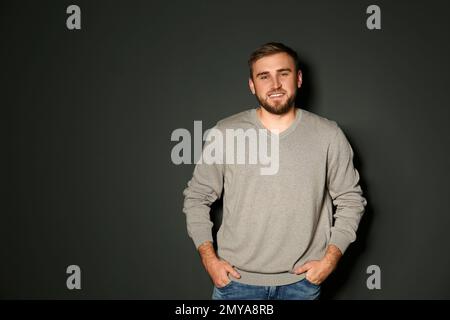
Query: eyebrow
[279,70]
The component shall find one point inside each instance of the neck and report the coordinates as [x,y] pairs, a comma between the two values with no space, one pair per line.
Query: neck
[278,122]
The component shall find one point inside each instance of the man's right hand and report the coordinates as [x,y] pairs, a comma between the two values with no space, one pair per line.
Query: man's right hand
[217,269]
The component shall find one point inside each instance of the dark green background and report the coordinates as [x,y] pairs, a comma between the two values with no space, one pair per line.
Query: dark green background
[89,115]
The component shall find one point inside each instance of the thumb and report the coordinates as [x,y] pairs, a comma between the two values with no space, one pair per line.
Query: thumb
[303,268]
[233,272]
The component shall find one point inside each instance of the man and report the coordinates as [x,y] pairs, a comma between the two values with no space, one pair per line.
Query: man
[279,238]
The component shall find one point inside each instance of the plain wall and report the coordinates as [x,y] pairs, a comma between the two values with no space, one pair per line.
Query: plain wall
[89,116]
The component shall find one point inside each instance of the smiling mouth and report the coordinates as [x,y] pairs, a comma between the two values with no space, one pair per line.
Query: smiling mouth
[276,95]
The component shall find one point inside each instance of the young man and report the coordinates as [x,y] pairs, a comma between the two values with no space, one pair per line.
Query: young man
[279,238]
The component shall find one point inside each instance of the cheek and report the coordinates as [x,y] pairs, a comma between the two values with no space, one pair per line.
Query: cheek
[290,85]
[261,89]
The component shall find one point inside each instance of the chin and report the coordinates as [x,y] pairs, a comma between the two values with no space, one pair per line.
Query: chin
[279,110]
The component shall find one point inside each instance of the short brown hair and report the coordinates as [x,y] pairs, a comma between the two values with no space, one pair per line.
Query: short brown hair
[271,48]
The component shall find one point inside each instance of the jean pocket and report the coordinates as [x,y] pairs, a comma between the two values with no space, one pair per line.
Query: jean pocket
[225,286]
[310,283]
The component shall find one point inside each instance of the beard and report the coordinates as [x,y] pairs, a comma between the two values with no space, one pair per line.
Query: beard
[277,108]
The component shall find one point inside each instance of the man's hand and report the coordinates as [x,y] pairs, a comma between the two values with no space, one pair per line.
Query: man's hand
[318,270]
[217,269]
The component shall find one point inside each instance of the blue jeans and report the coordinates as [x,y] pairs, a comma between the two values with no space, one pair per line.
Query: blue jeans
[301,290]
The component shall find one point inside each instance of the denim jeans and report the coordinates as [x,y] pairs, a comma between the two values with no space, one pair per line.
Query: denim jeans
[301,290]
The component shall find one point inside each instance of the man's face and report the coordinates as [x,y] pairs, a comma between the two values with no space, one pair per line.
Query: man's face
[274,82]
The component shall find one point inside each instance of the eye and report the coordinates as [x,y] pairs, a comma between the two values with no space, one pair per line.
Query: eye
[284,74]
[263,77]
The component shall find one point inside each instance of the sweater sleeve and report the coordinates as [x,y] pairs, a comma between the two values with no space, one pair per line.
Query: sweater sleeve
[344,189]
[201,192]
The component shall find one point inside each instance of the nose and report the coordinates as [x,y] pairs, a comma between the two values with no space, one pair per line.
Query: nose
[276,83]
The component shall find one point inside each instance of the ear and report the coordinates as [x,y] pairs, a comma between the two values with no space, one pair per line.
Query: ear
[251,85]
[299,78]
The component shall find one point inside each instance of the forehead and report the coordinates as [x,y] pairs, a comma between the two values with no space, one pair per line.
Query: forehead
[274,62]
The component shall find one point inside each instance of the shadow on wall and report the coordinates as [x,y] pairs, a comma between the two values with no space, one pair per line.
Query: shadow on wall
[305,95]
[347,265]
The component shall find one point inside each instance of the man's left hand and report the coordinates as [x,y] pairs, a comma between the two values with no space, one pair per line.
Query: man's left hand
[318,270]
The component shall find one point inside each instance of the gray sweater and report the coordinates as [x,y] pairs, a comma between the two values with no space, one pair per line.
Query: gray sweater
[274,223]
